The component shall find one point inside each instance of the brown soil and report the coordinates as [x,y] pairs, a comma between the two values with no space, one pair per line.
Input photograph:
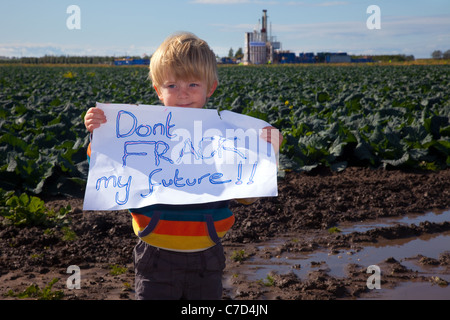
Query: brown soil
[307,206]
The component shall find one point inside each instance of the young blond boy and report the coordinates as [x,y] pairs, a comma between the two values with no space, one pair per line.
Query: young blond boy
[179,254]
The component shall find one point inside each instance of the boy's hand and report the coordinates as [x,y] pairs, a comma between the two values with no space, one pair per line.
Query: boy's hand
[273,136]
[94,118]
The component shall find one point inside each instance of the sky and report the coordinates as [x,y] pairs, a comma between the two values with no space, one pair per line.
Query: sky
[137,27]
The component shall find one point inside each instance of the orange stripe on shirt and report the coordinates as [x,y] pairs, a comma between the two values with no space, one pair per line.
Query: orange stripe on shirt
[191,228]
[186,228]
[183,228]
[141,220]
[89,150]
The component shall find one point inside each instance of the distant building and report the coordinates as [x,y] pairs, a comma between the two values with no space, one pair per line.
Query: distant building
[333,57]
[260,47]
[131,62]
[338,58]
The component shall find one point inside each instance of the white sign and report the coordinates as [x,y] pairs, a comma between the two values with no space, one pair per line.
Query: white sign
[145,155]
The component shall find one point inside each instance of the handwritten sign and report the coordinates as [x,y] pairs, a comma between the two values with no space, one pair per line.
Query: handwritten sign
[146,155]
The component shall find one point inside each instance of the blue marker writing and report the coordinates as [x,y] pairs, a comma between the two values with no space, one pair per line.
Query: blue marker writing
[158,154]
[239,180]
[250,181]
[116,182]
[179,181]
[143,130]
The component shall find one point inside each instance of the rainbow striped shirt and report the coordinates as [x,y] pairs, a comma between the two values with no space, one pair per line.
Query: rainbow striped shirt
[192,227]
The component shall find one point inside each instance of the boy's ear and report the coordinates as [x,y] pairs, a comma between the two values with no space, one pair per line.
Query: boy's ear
[213,88]
[158,93]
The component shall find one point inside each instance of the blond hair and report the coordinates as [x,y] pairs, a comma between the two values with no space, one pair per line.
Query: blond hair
[185,57]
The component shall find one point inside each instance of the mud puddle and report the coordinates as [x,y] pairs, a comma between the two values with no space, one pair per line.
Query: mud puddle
[411,291]
[278,257]
[432,216]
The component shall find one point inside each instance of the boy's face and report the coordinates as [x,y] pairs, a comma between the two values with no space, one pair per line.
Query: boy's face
[186,94]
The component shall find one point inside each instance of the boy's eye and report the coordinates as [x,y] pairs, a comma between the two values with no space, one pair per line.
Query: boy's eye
[193,85]
[171,86]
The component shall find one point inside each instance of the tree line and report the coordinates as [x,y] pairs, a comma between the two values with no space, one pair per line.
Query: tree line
[109,60]
[48,59]
[438,54]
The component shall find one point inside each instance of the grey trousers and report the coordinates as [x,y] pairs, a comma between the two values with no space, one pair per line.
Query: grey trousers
[168,275]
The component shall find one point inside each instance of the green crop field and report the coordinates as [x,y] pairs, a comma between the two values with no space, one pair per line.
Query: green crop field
[333,116]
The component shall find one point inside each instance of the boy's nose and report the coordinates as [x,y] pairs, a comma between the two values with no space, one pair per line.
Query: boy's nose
[183,92]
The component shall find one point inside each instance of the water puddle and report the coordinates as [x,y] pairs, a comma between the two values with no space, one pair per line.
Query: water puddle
[411,291]
[436,217]
[301,264]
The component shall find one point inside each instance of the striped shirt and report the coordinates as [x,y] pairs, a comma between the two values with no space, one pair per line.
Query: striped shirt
[192,227]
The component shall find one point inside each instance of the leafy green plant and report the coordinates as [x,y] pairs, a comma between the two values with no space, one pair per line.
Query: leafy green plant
[68,234]
[339,116]
[334,230]
[332,116]
[126,286]
[116,270]
[24,210]
[34,292]
[269,281]
[238,255]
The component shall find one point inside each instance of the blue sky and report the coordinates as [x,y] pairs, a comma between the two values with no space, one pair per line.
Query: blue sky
[137,27]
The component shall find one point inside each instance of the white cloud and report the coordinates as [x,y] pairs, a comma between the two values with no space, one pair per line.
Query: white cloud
[223,1]
[242,27]
[29,49]
[418,36]
[332,4]
[320,4]
[41,49]
[290,3]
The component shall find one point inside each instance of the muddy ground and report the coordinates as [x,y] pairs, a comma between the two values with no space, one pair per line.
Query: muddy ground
[271,231]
